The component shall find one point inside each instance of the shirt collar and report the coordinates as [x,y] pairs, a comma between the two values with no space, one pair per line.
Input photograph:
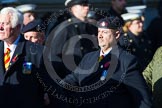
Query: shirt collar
[12,46]
[107,52]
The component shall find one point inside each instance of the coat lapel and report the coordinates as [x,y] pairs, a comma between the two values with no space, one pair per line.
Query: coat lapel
[16,57]
[92,66]
[95,75]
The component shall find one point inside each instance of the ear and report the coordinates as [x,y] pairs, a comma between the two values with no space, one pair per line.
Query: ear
[69,9]
[117,34]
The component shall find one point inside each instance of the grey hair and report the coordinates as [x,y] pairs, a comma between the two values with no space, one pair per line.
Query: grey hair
[16,17]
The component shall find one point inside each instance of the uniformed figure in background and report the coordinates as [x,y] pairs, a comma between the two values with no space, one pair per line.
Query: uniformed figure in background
[117,8]
[135,40]
[73,37]
[67,14]
[140,9]
[28,12]
[32,31]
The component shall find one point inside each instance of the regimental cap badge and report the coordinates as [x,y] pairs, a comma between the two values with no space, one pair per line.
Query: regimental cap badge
[103,24]
[109,23]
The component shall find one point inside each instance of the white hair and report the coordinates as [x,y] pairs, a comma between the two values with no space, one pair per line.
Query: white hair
[16,17]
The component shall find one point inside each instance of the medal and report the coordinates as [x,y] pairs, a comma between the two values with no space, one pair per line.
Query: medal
[104,74]
[27,67]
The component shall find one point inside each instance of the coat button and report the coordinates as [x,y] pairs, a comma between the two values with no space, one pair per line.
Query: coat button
[101,66]
[130,40]
[142,40]
[145,49]
[134,50]
[69,20]
[80,37]
[125,34]
[149,42]
[75,26]
[81,48]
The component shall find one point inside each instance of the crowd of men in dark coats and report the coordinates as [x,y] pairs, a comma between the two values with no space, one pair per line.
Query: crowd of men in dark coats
[82,58]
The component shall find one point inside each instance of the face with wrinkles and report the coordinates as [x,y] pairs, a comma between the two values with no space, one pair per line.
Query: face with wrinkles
[107,38]
[7,32]
[36,37]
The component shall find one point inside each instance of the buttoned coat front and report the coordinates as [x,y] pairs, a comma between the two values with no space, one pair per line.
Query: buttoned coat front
[125,87]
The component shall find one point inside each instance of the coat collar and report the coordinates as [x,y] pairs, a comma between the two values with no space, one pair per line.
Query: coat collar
[16,57]
[18,51]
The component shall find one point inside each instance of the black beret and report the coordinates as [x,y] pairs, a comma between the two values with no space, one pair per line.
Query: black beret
[69,3]
[34,25]
[109,23]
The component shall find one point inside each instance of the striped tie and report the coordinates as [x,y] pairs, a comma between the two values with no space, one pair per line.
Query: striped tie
[7,58]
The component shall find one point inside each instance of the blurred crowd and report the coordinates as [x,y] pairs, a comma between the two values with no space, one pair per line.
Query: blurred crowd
[85,46]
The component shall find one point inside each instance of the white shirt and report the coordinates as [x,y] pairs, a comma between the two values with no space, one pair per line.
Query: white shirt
[105,53]
[11,47]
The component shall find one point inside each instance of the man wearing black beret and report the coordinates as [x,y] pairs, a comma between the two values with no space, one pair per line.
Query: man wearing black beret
[32,32]
[122,85]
